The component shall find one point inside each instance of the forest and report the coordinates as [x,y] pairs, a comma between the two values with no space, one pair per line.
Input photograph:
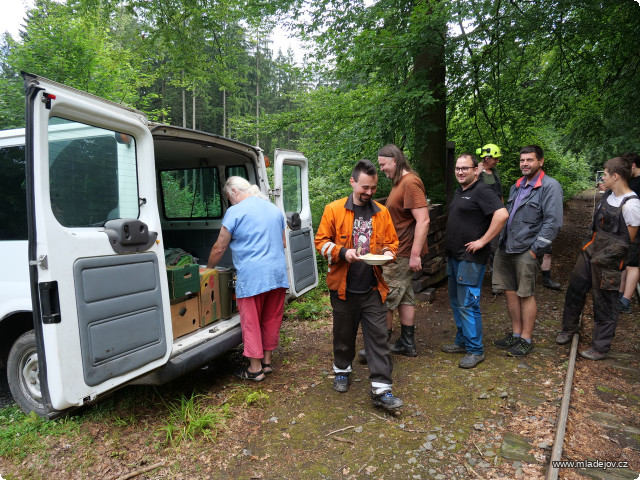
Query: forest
[563,74]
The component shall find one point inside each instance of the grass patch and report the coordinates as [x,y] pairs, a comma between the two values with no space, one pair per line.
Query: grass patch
[24,435]
[257,398]
[190,418]
[241,396]
[312,305]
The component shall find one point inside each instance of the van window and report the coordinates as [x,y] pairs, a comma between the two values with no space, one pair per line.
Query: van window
[92,174]
[237,171]
[292,188]
[13,200]
[191,193]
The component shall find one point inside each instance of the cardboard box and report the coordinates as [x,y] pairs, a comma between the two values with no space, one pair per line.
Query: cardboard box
[183,281]
[185,316]
[209,296]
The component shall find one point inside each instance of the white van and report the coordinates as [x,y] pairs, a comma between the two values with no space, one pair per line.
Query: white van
[92,194]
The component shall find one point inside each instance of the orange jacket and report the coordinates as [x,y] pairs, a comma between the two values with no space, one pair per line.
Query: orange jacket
[336,232]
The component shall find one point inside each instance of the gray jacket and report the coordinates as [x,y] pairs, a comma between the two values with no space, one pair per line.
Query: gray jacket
[537,220]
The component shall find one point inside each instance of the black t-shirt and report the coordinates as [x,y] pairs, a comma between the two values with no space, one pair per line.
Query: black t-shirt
[470,214]
[634,184]
[360,277]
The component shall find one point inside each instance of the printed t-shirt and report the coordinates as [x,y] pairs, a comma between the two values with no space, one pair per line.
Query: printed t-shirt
[360,277]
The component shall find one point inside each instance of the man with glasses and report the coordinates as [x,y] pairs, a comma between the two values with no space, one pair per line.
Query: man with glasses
[535,217]
[476,216]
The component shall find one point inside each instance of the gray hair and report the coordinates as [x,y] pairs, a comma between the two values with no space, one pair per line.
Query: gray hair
[242,185]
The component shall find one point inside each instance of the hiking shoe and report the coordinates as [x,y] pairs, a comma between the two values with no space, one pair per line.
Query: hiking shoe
[593,354]
[547,282]
[520,348]
[341,383]
[507,342]
[453,348]
[362,355]
[622,308]
[386,401]
[564,338]
[471,360]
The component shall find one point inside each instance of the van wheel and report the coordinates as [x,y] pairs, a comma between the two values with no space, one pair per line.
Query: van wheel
[24,377]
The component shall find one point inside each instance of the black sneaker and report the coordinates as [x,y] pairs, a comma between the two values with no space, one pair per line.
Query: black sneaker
[386,401]
[341,383]
[507,342]
[520,348]
[453,348]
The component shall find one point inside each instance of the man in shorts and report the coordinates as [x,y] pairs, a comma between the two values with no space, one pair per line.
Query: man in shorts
[407,204]
[535,217]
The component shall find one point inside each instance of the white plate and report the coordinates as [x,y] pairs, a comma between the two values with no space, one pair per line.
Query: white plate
[375,259]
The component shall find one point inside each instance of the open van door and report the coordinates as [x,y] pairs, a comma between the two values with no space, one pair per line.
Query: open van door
[291,187]
[96,259]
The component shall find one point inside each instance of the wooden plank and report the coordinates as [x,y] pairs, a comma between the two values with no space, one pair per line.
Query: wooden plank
[428,280]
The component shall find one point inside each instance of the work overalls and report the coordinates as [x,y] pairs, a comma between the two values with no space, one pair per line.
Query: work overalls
[599,269]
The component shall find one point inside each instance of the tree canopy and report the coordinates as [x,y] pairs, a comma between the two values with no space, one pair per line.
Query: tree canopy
[559,73]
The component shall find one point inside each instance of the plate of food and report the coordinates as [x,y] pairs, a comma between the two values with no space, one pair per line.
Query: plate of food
[372,259]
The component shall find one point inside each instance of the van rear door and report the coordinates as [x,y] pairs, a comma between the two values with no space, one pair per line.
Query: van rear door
[96,259]
[291,186]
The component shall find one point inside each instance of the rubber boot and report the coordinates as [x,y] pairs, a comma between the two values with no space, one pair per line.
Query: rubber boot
[547,282]
[362,354]
[405,345]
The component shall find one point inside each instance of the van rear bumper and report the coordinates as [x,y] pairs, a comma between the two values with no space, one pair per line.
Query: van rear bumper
[192,359]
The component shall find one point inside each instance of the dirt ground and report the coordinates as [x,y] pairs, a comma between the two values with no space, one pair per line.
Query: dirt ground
[453,424]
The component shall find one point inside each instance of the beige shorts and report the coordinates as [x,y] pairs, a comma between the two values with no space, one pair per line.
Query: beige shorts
[515,271]
[398,277]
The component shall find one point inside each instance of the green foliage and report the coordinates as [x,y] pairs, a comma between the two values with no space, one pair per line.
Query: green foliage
[560,74]
[257,398]
[23,435]
[192,193]
[313,305]
[190,418]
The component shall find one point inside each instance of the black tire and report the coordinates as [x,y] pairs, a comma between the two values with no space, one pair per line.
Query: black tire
[24,378]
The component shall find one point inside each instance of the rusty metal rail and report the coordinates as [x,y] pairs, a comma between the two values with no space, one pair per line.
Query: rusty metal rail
[561,425]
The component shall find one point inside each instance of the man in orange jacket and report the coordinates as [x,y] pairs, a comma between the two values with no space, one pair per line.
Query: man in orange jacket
[351,228]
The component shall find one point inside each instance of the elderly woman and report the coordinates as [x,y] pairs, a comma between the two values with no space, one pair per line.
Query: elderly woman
[254,228]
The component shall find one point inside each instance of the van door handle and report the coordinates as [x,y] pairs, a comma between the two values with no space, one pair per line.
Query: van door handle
[49,302]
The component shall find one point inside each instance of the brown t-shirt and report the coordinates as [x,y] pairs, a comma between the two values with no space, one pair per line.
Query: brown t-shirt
[404,197]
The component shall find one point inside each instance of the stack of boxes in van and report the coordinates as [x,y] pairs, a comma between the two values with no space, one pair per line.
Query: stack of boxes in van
[199,296]
[209,296]
[184,289]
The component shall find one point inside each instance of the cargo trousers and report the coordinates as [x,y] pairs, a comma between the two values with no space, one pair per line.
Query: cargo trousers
[588,276]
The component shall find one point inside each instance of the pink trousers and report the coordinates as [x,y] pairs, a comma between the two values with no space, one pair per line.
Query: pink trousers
[260,319]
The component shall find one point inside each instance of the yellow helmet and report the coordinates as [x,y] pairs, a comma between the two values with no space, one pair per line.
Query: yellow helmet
[489,150]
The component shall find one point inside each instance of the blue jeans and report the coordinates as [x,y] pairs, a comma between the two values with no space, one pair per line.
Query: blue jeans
[465,282]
